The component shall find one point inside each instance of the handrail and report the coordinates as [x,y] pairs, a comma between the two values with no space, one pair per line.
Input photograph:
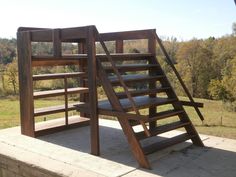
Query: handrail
[169,61]
[113,65]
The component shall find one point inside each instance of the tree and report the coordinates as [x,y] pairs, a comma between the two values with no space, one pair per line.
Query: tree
[11,73]
[234,28]
[194,64]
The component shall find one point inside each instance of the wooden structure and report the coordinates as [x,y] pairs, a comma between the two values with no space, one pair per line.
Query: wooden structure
[111,72]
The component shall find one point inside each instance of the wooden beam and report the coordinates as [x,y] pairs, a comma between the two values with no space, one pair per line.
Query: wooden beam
[25,83]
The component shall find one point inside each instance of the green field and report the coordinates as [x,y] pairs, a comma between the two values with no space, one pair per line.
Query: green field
[218,121]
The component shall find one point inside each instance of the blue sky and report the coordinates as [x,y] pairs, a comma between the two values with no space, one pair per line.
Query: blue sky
[183,19]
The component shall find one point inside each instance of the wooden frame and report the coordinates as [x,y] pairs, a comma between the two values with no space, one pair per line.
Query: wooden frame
[118,104]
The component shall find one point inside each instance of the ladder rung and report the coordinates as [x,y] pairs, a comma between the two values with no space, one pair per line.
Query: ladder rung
[162,129]
[143,92]
[54,109]
[131,67]
[58,92]
[134,78]
[166,143]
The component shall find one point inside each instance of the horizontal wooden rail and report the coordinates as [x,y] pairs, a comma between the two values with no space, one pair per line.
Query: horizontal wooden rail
[127,35]
[58,76]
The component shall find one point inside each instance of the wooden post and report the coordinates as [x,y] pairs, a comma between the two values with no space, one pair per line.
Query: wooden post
[56,43]
[25,83]
[119,46]
[93,102]
[152,85]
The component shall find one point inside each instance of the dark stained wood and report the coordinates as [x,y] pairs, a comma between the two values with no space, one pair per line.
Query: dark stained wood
[54,109]
[152,72]
[143,92]
[166,143]
[162,129]
[130,67]
[59,92]
[141,102]
[135,78]
[45,128]
[126,35]
[58,76]
[164,114]
[25,83]
[56,43]
[119,46]
[92,77]
[189,103]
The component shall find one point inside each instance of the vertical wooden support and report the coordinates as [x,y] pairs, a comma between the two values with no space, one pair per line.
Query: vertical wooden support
[92,73]
[152,84]
[66,100]
[56,43]
[119,46]
[25,83]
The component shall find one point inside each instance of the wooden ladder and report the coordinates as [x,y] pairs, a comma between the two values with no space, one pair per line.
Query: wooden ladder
[126,104]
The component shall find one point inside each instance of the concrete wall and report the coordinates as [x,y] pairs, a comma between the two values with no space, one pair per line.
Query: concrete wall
[13,168]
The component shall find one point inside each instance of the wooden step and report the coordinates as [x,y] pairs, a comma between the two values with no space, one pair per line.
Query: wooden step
[141,102]
[162,129]
[54,109]
[125,56]
[166,143]
[58,76]
[58,92]
[165,114]
[134,78]
[143,92]
[130,67]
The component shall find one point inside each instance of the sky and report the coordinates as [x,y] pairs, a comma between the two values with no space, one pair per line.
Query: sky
[184,19]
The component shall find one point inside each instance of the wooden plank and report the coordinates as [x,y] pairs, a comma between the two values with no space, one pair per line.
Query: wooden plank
[134,78]
[74,34]
[56,125]
[130,67]
[56,42]
[58,92]
[53,109]
[189,103]
[44,35]
[92,77]
[162,129]
[140,101]
[166,143]
[141,92]
[25,83]
[165,114]
[126,35]
[123,115]
[58,76]
[119,46]
[152,72]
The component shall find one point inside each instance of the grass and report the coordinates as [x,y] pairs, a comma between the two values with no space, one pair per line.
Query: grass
[218,121]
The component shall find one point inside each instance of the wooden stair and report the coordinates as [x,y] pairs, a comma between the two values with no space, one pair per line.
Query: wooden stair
[127,104]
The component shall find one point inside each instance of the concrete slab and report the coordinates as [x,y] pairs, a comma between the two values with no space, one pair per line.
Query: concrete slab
[67,154]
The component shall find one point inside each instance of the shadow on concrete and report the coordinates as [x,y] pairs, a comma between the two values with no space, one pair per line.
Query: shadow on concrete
[191,161]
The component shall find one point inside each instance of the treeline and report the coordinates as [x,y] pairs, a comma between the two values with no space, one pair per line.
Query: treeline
[208,67]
